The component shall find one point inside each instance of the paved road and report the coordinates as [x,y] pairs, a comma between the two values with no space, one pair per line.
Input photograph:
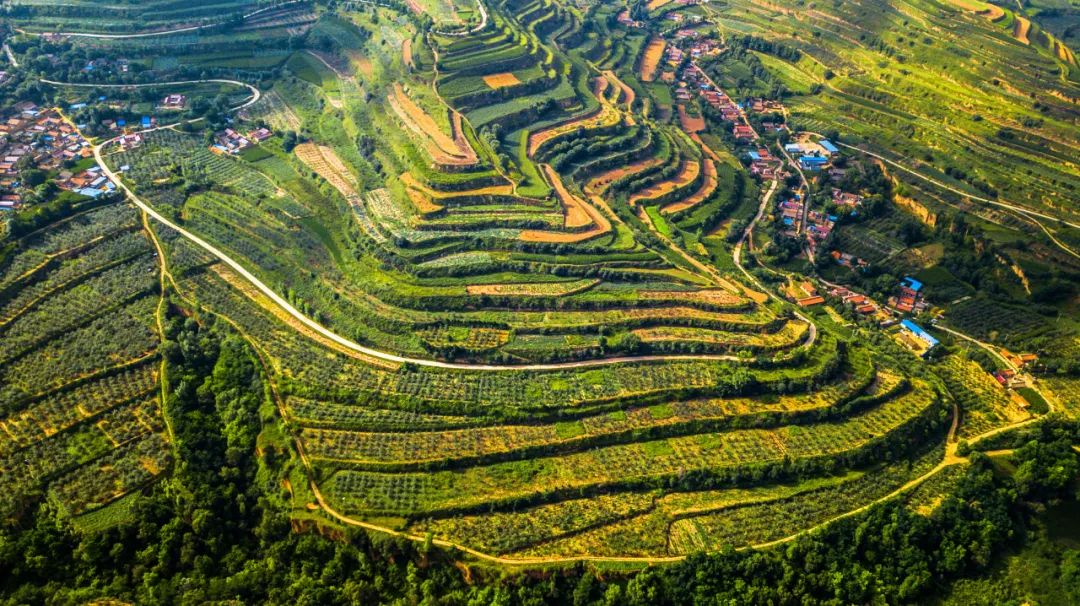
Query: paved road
[256,94]
[483,24]
[325,332]
[168,32]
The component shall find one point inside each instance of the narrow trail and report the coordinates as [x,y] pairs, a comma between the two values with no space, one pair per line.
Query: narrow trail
[10,56]
[1033,214]
[159,320]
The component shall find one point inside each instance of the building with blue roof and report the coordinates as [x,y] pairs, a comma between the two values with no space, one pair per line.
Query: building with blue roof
[813,162]
[828,146]
[753,156]
[146,121]
[912,283]
[918,331]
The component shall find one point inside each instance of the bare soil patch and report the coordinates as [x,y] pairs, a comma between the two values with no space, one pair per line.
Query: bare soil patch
[650,61]
[688,171]
[690,124]
[495,81]
[442,148]
[1021,27]
[707,188]
[578,212]
[326,163]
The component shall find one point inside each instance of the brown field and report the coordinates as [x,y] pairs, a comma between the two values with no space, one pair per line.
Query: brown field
[550,289]
[578,214]
[326,163]
[1021,27]
[361,63]
[655,4]
[1065,53]
[690,124]
[994,13]
[605,116]
[500,80]
[406,52]
[711,296]
[687,173]
[422,202]
[415,7]
[654,52]
[628,94]
[494,190]
[707,188]
[599,183]
[442,148]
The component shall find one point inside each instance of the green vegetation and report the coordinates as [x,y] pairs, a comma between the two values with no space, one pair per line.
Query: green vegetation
[525,311]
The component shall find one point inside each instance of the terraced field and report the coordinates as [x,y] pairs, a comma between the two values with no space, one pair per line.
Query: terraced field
[80,414]
[487,276]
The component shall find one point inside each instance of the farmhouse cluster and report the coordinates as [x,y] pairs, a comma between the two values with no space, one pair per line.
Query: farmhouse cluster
[34,137]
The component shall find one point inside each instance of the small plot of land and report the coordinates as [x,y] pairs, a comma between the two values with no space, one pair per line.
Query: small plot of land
[539,289]
[703,193]
[579,214]
[500,80]
[627,94]
[993,12]
[443,148]
[1021,28]
[688,172]
[326,163]
[599,183]
[690,124]
[650,61]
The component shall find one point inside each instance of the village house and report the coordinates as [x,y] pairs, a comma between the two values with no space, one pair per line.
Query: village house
[174,101]
[845,199]
[260,134]
[229,141]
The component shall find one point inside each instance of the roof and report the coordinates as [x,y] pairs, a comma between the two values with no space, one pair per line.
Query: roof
[828,146]
[919,332]
[912,283]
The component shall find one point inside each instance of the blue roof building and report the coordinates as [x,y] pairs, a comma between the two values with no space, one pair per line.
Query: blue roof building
[918,331]
[828,146]
[813,162]
[912,283]
[754,155]
[146,121]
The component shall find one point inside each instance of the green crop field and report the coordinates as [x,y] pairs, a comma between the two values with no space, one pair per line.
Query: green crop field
[467,279]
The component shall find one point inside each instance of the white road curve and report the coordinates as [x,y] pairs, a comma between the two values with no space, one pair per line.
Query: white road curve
[478,28]
[347,343]
[256,94]
[179,30]
[322,330]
